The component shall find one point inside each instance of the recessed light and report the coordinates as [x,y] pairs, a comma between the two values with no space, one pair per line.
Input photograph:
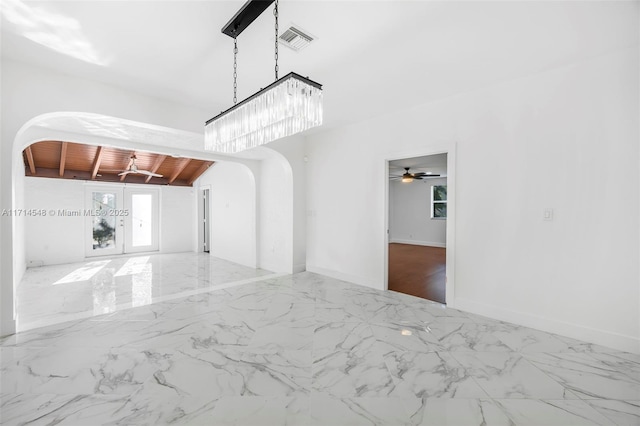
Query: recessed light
[406,332]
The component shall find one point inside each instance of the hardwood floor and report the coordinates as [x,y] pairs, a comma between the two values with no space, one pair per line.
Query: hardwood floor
[417,270]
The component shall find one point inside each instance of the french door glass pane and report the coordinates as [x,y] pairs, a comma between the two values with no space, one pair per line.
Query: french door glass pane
[104,224]
[141,219]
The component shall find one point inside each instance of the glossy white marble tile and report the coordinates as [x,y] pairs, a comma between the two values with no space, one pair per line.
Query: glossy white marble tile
[212,374]
[428,311]
[291,313]
[622,413]
[70,371]
[260,297]
[346,374]
[589,377]
[455,412]
[467,336]
[260,411]
[343,336]
[276,373]
[406,337]
[582,346]
[201,334]
[358,411]
[430,375]
[85,410]
[298,349]
[396,313]
[284,336]
[53,409]
[509,375]
[622,362]
[58,293]
[551,412]
[331,312]
[523,339]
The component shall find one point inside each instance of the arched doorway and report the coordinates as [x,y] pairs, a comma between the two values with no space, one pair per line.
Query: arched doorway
[91,129]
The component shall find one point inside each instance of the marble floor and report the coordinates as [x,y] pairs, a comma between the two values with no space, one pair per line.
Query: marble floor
[305,349]
[52,294]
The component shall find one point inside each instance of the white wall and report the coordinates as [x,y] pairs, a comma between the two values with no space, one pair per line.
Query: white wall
[279,172]
[51,240]
[54,239]
[275,226]
[251,211]
[410,219]
[177,227]
[294,151]
[565,139]
[232,212]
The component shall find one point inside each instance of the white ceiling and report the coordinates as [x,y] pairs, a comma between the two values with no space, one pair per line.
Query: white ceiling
[372,57]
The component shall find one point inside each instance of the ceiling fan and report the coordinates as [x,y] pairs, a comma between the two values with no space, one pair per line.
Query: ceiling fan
[410,177]
[134,169]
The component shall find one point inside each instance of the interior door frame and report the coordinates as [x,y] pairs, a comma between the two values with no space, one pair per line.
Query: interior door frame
[443,148]
[200,218]
[206,219]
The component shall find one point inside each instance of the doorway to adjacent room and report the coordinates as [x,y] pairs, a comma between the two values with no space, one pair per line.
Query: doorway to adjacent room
[417,250]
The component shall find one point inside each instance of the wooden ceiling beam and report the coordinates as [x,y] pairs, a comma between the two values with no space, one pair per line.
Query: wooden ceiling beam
[156,165]
[32,165]
[96,163]
[68,160]
[63,157]
[183,165]
[203,168]
[105,176]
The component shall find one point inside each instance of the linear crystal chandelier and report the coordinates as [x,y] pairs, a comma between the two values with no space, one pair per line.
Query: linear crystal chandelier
[288,106]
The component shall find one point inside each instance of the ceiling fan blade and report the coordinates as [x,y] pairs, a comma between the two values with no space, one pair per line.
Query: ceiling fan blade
[148,173]
[126,172]
[431,176]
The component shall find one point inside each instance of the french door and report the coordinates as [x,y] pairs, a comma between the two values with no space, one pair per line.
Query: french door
[121,220]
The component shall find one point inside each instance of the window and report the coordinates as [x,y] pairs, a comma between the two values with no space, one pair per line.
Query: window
[438,201]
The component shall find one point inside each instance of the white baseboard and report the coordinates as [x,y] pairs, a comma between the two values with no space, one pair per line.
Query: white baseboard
[550,325]
[276,268]
[272,267]
[299,268]
[418,243]
[353,279]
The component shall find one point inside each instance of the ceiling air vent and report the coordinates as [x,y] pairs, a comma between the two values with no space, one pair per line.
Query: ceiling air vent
[295,38]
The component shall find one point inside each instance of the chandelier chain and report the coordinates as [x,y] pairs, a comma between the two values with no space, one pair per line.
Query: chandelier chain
[275,14]
[235,71]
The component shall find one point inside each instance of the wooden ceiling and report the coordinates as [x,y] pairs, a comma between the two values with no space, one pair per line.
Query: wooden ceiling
[67,160]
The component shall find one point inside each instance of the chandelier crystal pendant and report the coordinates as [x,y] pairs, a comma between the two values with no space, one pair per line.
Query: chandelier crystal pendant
[289,105]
